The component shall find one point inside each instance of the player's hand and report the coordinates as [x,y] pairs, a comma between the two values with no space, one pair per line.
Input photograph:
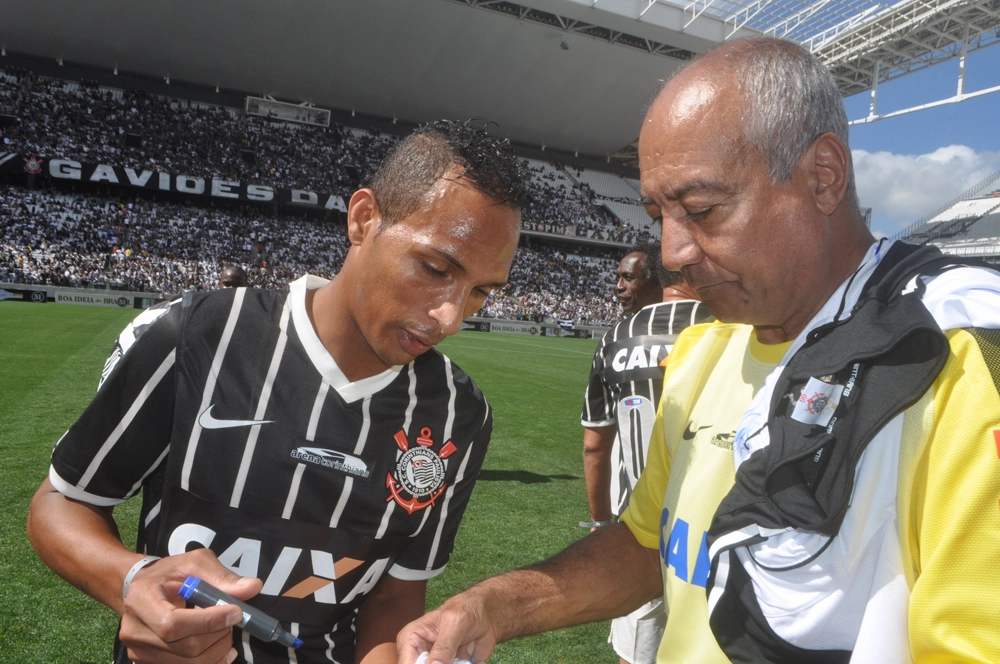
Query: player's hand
[156,626]
[460,628]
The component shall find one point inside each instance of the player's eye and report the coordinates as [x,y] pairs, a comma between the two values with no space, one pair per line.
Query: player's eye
[433,270]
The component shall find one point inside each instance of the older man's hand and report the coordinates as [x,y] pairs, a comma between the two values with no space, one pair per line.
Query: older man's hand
[461,628]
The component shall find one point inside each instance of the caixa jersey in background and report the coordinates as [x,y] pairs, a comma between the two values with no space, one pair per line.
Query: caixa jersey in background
[626,381]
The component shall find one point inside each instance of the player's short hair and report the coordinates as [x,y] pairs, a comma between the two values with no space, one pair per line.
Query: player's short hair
[236,271]
[652,264]
[415,164]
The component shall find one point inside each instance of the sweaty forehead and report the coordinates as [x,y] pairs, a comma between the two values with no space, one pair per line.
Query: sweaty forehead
[630,263]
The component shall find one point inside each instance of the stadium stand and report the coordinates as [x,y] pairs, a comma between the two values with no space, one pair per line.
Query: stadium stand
[986,227]
[607,185]
[549,283]
[108,239]
[633,217]
[91,241]
[967,227]
[636,185]
[954,221]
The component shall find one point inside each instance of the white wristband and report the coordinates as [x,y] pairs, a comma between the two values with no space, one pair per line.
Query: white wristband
[148,560]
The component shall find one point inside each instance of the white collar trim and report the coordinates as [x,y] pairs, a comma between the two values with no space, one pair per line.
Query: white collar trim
[320,356]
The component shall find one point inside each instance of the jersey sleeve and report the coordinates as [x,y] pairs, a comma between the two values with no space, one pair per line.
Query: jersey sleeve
[428,554]
[131,334]
[124,433]
[953,520]
[597,401]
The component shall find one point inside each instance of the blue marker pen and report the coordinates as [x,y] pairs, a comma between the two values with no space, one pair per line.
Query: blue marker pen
[201,593]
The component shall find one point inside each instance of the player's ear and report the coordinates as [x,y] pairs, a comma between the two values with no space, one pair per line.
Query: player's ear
[363,216]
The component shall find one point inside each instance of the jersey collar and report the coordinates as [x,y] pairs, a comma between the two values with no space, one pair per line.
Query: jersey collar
[318,354]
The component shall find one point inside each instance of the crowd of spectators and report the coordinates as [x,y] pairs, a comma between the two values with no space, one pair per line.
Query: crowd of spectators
[86,240]
[548,283]
[142,245]
[131,128]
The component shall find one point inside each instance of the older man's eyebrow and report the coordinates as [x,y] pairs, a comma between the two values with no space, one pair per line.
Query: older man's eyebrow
[707,185]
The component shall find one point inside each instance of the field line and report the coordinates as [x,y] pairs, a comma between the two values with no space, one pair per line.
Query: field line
[549,348]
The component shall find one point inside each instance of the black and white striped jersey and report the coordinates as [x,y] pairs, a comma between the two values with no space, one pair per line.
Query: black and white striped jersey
[132,332]
[626,381]
[245,437]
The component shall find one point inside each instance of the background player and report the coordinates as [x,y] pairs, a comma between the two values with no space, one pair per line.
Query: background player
[232,276]
[309,437]
[620,407]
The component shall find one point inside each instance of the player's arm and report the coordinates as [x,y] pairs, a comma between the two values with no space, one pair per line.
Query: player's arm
[955,598]
[100,462]
[598,443]
[604,575]
[599,433]
[80,542]
[390,606]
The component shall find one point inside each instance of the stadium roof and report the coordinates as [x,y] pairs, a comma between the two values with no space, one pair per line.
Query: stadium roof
[571,74]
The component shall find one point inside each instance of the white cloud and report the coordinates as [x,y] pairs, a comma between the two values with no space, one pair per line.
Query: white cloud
[902,188]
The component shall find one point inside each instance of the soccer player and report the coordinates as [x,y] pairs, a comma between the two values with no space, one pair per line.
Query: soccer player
[822,482]
[233,276]
[307,450]
[619,409]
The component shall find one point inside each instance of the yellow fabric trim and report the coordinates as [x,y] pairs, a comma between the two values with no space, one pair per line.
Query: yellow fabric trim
[950,514]
[767,353]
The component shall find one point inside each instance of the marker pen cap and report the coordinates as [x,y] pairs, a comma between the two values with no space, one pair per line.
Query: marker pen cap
[188,587]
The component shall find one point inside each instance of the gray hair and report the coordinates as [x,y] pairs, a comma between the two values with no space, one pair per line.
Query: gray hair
[790,99]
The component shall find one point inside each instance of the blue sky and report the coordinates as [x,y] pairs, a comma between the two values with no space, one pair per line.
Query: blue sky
[910,165]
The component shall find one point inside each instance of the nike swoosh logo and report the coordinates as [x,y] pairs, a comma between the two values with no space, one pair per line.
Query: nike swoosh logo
[208,422]
[690,431]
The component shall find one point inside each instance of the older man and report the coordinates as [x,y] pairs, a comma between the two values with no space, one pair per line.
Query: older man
[838,497]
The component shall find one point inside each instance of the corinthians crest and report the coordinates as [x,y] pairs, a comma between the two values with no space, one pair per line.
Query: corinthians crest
[33,165]
[419,471]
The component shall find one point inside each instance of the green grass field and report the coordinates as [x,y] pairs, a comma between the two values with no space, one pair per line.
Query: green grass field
[525,507]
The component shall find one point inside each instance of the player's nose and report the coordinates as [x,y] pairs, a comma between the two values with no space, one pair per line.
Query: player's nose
[449,316]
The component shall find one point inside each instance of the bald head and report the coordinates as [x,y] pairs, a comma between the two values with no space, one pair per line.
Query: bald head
[233,276]
[744,158]
[784,95]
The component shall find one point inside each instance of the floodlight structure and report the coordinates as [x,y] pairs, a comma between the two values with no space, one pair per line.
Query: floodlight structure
[907,37]
[863,42]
